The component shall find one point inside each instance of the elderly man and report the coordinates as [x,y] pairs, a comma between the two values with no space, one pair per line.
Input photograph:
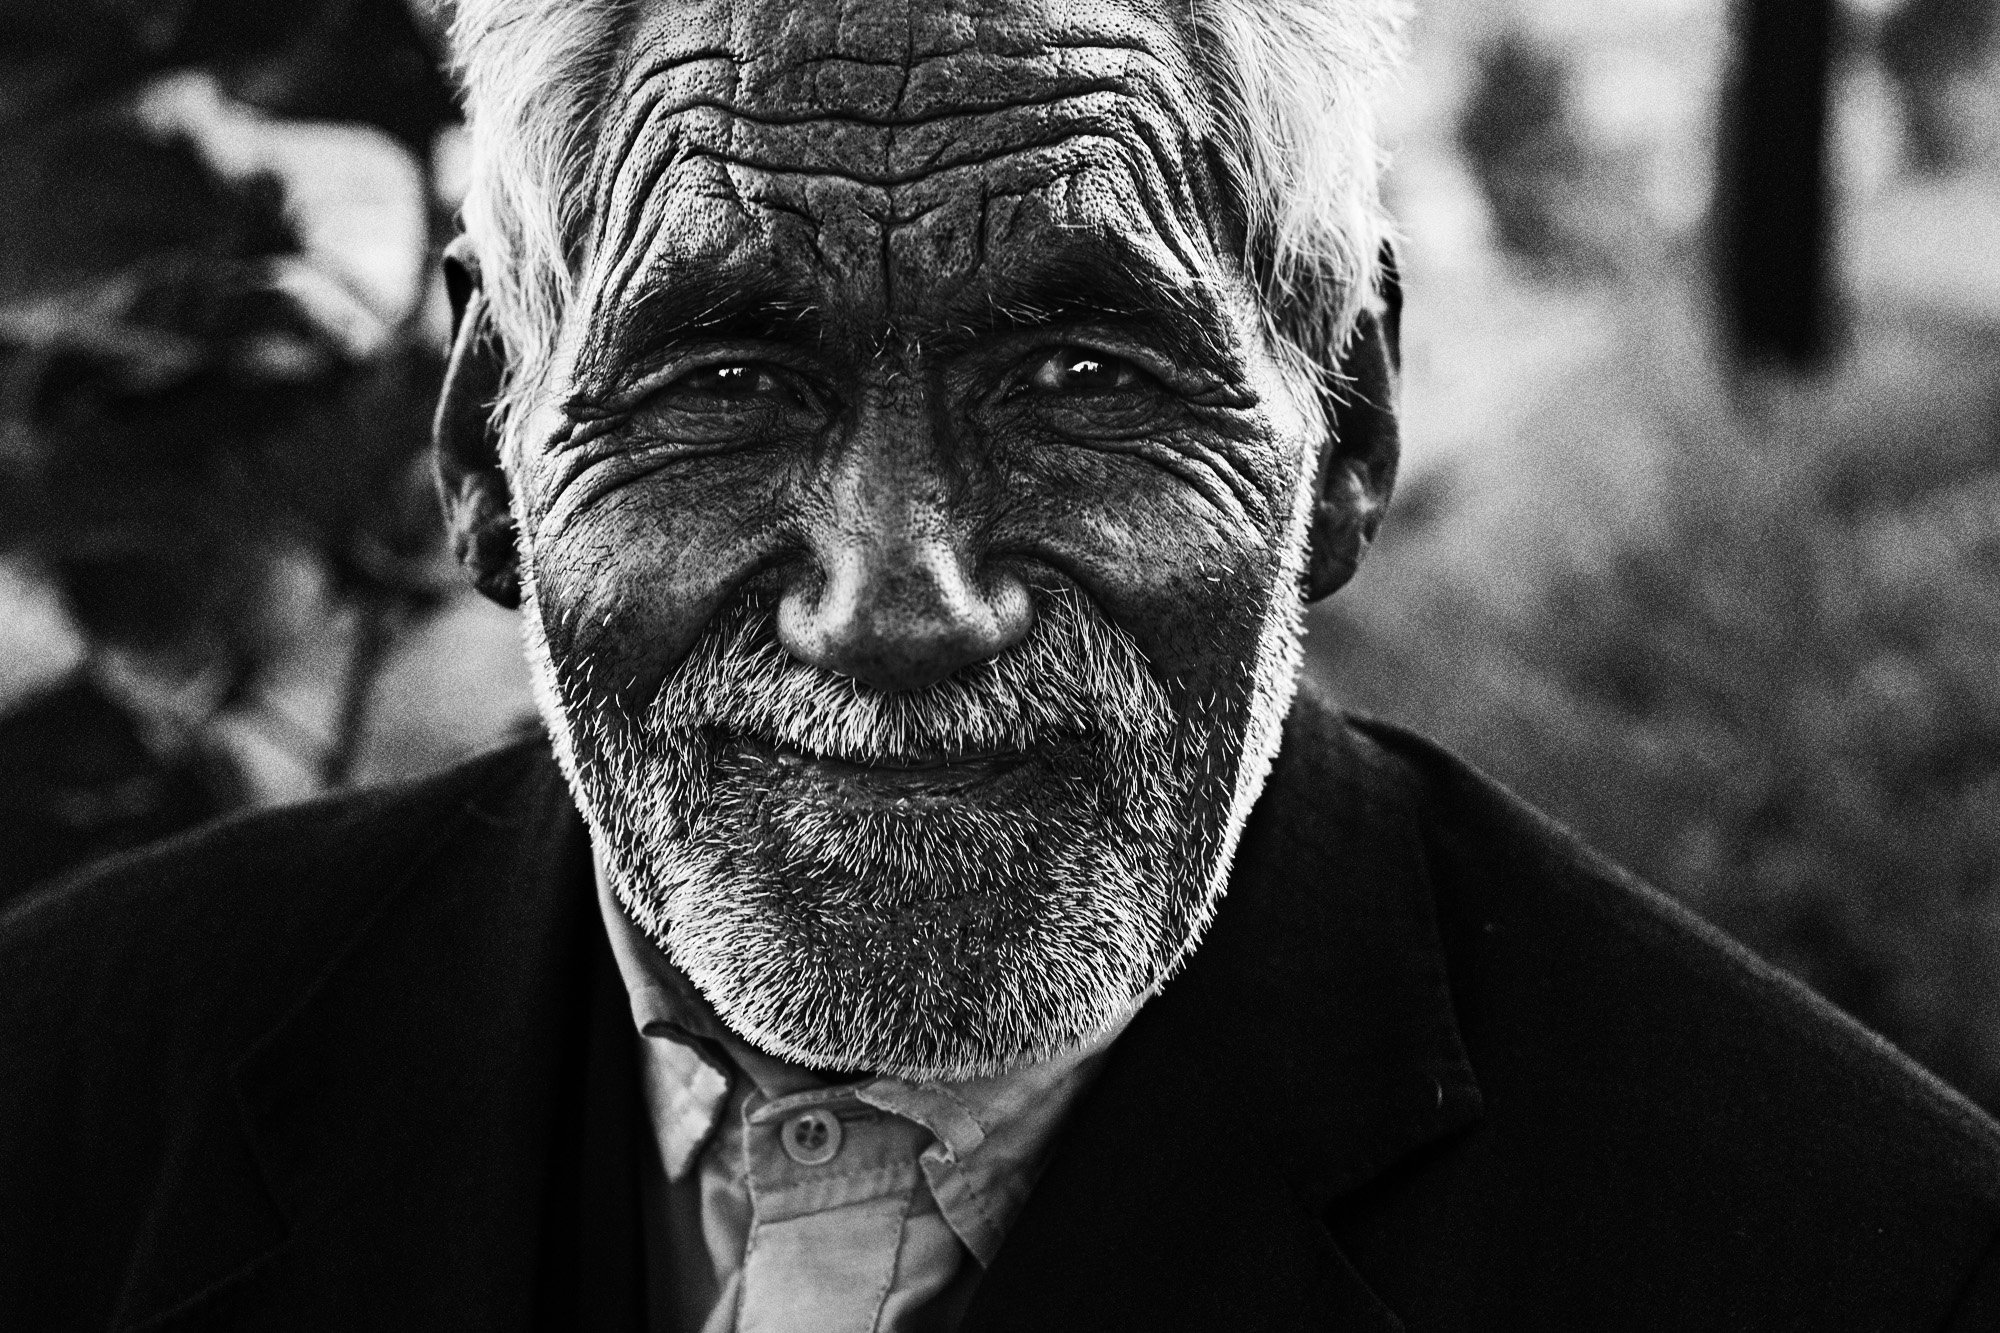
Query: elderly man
[912,433]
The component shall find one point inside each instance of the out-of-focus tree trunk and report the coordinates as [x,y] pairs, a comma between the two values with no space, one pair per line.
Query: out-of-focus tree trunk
[1774,225]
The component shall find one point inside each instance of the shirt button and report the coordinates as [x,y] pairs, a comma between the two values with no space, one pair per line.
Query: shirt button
[811,1138]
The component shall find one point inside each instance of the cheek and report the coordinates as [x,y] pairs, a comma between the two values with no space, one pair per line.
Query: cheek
[627,587]
[1192,584]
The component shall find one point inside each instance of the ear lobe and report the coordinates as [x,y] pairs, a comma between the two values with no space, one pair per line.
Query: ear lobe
[461,278]
[1357,466]
[471,484]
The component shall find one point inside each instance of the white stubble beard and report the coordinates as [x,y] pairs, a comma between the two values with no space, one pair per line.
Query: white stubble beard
[690,900]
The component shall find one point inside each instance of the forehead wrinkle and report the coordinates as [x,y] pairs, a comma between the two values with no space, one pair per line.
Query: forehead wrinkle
[799,63]
[717,98]
[724,123]
[686,162]
[1082,186]
[886,60]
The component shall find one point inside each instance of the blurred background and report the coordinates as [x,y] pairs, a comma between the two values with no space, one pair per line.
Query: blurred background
[1697,544]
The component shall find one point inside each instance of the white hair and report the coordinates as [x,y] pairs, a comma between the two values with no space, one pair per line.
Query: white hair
[1292,82]
[534,74]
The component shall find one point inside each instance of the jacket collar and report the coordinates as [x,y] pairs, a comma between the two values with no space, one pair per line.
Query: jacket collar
[1308,1047]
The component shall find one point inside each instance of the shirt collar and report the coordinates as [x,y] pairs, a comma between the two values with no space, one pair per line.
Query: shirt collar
[666,1004]
[993,1134]
[661,994]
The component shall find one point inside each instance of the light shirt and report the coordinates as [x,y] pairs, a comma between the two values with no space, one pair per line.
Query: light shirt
[782,1203]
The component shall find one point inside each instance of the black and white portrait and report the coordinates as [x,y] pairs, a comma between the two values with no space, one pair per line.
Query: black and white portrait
[859,666]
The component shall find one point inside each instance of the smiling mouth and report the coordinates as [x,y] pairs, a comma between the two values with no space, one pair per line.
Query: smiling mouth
[931,772]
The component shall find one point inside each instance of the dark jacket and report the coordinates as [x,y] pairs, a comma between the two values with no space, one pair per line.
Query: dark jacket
[363,1065]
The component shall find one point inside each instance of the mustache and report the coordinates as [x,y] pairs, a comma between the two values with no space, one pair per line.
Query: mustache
[1074,676]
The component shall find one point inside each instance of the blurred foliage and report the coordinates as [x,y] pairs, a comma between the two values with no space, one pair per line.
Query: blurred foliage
[1777,699]
[1769,684]
[1799,662]
[1559,203]
[1929,46]
[1563,205]
[377,62]
[171,429]
[187,413]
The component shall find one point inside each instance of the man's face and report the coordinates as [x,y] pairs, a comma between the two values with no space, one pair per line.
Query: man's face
[913,524]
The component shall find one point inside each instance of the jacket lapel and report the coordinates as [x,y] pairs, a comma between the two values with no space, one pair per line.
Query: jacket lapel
[403,1115]
[1308,1047]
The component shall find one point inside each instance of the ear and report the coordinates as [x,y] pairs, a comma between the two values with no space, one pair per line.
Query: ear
[1357,465]
[477,512]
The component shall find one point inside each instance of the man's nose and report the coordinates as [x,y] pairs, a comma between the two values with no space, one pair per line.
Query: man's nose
[900,601]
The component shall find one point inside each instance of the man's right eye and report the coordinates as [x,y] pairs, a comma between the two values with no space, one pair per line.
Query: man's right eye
[1079,372]
[735,382]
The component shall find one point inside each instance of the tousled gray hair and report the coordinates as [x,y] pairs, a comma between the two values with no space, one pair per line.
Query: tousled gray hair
[1293,86]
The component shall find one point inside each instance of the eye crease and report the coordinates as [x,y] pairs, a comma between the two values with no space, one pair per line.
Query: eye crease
[1080,372]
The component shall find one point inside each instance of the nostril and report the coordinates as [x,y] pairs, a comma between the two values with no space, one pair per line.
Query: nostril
[905,624]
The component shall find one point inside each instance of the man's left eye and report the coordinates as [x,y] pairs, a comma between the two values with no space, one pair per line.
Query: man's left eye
[1079,372]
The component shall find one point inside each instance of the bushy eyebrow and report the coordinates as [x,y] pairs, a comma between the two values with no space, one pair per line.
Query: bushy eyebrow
[1081,286]
[1087,287]
[704,305]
